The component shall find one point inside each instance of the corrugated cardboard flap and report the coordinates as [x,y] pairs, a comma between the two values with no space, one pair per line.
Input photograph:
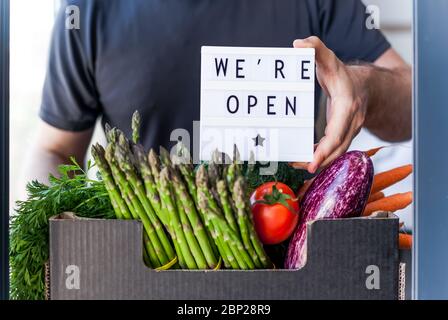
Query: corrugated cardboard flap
[106,256]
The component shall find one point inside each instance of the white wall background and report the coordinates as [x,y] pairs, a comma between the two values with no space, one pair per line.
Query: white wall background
[31,24]
[396,24]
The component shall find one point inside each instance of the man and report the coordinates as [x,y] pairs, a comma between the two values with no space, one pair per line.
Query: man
[145,55]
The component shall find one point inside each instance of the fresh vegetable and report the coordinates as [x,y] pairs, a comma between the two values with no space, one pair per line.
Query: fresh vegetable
[135,125]
[251,243]
[404,241]
[376,196]
[392,203]
[372,152]
[275,211]
[176,226]
[154,192]
[340,191]
[385,179]
[71,191]
[196,217]
[257,174]
[304,188]
[240,248]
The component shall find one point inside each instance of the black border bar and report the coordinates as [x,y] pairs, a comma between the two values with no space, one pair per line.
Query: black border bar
[4,149]
[430,263]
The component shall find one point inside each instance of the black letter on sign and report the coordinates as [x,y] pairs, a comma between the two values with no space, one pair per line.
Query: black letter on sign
[221,65]
[305,69]
[279,68]
[237,104]
[238,68]
[270,104]
[251,104]
[293,107]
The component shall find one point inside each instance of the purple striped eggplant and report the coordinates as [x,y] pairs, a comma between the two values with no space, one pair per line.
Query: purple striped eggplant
[340,191]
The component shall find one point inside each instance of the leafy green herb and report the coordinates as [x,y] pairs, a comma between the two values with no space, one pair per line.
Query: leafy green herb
[72,191]
[285,173]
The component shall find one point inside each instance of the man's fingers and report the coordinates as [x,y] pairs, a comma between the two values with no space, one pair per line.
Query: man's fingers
[323,151]
[325,58]
[303,165]
[337,153]
[335,135]
[327,151]
[300,165]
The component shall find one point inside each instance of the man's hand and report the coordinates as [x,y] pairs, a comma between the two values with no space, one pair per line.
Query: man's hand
[346,104]
[357,96]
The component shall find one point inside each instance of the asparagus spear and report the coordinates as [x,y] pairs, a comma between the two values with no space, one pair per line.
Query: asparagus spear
[231,251]
[182,155]
[216,156]
[243,259]
[152,256]
[146,259]
[159,252]
[175,223]
[180,259]
[239,194]
[242,223]
[154,163]
[107,129]
[213,177]
[184,164]
[118,176]
[203,183]
[188,175]
[231,175]
[135,124]
[128,194]
[126,166]
[192,242]
[165,157]
[202,187]
[229,245]
[224,250]
[227,159]
[217,159]
[150,185]
[194,219]
[225,204]
[121,210]
[111,133]
[236,155]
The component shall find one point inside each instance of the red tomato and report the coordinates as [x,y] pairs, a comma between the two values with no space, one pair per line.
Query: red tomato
[274,221]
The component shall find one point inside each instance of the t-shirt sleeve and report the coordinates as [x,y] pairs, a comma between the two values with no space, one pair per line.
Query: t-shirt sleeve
[344,30]
[69,99]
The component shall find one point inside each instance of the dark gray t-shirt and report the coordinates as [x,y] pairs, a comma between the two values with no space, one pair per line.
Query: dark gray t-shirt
[145,54]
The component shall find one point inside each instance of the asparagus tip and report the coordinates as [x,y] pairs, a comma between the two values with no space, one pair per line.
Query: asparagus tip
[135,125]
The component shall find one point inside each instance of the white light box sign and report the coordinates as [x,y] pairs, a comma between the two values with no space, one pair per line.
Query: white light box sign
[261,99]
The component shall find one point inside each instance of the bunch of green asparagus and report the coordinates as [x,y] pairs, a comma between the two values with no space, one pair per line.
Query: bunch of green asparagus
[192,219]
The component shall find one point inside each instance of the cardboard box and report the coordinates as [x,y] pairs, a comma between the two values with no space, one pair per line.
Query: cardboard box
[347,259]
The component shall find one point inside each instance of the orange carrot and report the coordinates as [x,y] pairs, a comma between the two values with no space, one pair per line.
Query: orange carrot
[376,196]
[304,188]
[385,179]
[404,241]
[392,203]
[372,152]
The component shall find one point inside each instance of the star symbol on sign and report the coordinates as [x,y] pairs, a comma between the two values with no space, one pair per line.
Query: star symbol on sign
[259,140]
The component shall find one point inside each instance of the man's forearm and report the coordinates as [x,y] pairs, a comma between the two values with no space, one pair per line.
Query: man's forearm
[52,147]
[388,95]
[38,165]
